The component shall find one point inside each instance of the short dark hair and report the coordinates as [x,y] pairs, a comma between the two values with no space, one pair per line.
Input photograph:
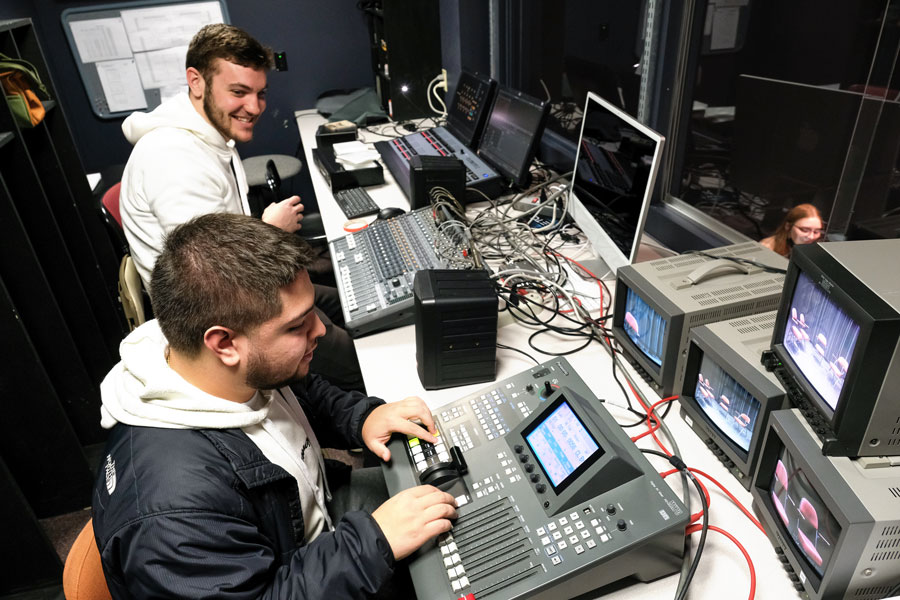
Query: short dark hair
[229,43]
[222,269]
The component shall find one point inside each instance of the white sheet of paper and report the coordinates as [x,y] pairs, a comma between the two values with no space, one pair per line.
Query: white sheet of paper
[100,39]
[167,26]
[349,147]
[162,68]
[121,85]
[725,28]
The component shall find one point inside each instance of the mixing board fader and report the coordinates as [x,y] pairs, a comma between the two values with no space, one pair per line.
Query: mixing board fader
[554,499]
[375,268]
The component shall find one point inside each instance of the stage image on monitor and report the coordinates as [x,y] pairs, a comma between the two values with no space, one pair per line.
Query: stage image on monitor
[809,523]
[731,408]
[645,327]
[612,183]
[561,443]
[820,337]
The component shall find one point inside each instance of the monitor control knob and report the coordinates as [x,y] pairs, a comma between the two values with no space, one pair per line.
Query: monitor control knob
[621,525]
[611,509]
[524,458]
[541,488]
[518,448]
[535,477]
[529,468]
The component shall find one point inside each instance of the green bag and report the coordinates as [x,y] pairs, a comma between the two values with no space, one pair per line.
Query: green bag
[22,84]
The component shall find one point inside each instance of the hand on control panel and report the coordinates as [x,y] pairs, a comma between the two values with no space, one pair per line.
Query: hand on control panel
[414,516]
[394,417]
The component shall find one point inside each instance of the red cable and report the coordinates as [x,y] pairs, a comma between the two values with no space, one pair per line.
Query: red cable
[695,528]
[697,515]
[746,512]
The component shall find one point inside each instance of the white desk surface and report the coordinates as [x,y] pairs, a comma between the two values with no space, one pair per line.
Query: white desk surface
[388,362]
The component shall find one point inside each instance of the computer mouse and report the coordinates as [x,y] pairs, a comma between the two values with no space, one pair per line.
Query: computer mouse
[390,212]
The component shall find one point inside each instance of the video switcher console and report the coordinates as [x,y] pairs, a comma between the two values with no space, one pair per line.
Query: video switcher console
[554,499]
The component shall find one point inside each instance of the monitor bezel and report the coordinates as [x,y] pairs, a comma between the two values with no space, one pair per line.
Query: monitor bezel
[580,469]
[788,429]
[519,178]
[600,240]
[663,375]
[874,345]
[769,396]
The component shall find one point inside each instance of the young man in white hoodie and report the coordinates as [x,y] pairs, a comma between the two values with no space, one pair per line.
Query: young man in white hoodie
[185,164]
[213,485]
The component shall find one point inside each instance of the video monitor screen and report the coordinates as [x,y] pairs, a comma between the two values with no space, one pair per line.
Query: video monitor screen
[612,172]
[644,327]
[820,337]
[514,125]
[469,105]
[728,406]
[810,525]
[561,444]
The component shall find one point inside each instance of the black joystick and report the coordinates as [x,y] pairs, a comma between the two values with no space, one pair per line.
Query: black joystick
[548,389]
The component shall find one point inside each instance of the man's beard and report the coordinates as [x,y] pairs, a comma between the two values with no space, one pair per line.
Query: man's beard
[262,376]
[218,117]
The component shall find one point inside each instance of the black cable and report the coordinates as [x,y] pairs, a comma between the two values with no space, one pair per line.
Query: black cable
[505,347]
[679,464]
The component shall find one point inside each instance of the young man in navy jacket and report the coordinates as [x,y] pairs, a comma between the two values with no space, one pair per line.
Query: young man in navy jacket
[213,485]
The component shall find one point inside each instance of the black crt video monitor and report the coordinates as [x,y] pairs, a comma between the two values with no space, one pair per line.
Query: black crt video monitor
[833,519]
[727,395]
[656,303]
[612,184]
[512,133]
[469,107]
[836,344]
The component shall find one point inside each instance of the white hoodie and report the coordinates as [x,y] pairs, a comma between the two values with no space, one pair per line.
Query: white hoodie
[142,390]
[180,168]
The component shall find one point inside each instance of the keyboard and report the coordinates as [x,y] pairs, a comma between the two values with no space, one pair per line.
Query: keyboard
[356,202]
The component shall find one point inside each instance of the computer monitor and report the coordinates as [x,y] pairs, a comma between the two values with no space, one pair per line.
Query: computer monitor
[612,183]
[512,132]
[469,107]
[836,343]
[727,395]
[833,520]
[658,302]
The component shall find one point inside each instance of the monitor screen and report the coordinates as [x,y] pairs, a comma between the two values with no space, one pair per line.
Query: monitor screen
[644,327]
[470,103]
[809,523]
[513,128]
[727,405]
[561,444]
[820,337]
[612,183]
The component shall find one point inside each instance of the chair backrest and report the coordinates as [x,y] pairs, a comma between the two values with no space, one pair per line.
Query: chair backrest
[83,577]
[110,200]
[112,218]
[131,293]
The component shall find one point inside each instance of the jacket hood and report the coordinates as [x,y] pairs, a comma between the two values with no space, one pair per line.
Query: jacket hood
[143,390]
[176,112]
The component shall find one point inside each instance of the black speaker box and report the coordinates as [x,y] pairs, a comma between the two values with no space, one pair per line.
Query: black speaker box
[428,172]
[456,327]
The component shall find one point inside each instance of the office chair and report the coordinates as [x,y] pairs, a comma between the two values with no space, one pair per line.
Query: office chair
[130,287]
[266,172]
[83,577]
